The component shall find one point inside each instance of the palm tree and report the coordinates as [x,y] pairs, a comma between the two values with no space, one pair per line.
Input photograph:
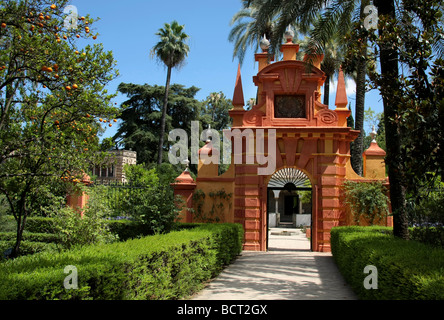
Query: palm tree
[247,31]
[333,58]
[389,68]
[171,50]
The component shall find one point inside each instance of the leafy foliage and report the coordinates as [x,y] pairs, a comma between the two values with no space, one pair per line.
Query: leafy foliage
[52,99]
[90,228]
[142,112]
[367,200]
[418,92]
[144,199]
[219,199]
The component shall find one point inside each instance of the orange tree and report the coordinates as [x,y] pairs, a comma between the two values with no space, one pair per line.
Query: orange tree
[53,100]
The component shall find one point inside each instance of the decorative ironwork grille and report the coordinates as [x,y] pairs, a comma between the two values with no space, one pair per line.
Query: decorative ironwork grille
[289,175]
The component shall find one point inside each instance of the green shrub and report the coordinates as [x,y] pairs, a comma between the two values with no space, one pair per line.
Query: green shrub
[406,269]
[146,199]
[7,223]
[158,267]
[366,199]
[127,229]
[433,236]
[74,230]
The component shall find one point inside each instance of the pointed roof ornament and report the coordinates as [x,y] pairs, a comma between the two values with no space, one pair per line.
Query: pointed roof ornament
[208,132]
[289,34]
[373,134]
[265,44]
[341,93]
[238,97]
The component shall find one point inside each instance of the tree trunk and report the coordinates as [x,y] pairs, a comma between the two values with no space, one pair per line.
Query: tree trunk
[389,70]
[361,72]
[327,90]
[358,145]
[21,216]
[162,120]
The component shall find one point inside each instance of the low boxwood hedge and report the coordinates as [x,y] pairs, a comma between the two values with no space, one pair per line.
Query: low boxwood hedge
[430,235]
[169,266]
[26,247]
[406,270]
[30,236]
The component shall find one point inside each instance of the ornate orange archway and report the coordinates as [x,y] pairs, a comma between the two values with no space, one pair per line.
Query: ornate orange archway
[308,136]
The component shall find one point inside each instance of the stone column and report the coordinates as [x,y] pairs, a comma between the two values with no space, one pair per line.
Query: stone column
[184,186]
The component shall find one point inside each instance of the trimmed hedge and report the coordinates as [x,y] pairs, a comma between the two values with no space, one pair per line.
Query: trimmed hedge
[39,225]
[29,236]
[407,270]
[433,236]
[26,247]
[159,267]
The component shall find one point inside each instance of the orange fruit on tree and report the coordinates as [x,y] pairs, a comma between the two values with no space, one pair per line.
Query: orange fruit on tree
[68,88]
[53,7]
[3,25]
[74,86]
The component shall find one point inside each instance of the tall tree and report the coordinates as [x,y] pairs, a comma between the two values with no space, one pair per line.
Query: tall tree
[53,100]
[171,50]
[410,35]
[214,111]
[141,116]
[389,62]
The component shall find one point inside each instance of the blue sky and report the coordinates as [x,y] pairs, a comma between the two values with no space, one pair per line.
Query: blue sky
[128,29]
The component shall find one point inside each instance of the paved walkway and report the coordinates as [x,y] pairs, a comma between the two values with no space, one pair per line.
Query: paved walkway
[288,271]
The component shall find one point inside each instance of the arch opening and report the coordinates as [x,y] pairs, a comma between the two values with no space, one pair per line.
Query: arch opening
[289,202]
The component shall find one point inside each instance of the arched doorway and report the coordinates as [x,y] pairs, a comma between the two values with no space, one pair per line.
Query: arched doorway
[289,200]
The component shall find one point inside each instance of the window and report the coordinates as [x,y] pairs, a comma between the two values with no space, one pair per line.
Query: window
[289,106]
